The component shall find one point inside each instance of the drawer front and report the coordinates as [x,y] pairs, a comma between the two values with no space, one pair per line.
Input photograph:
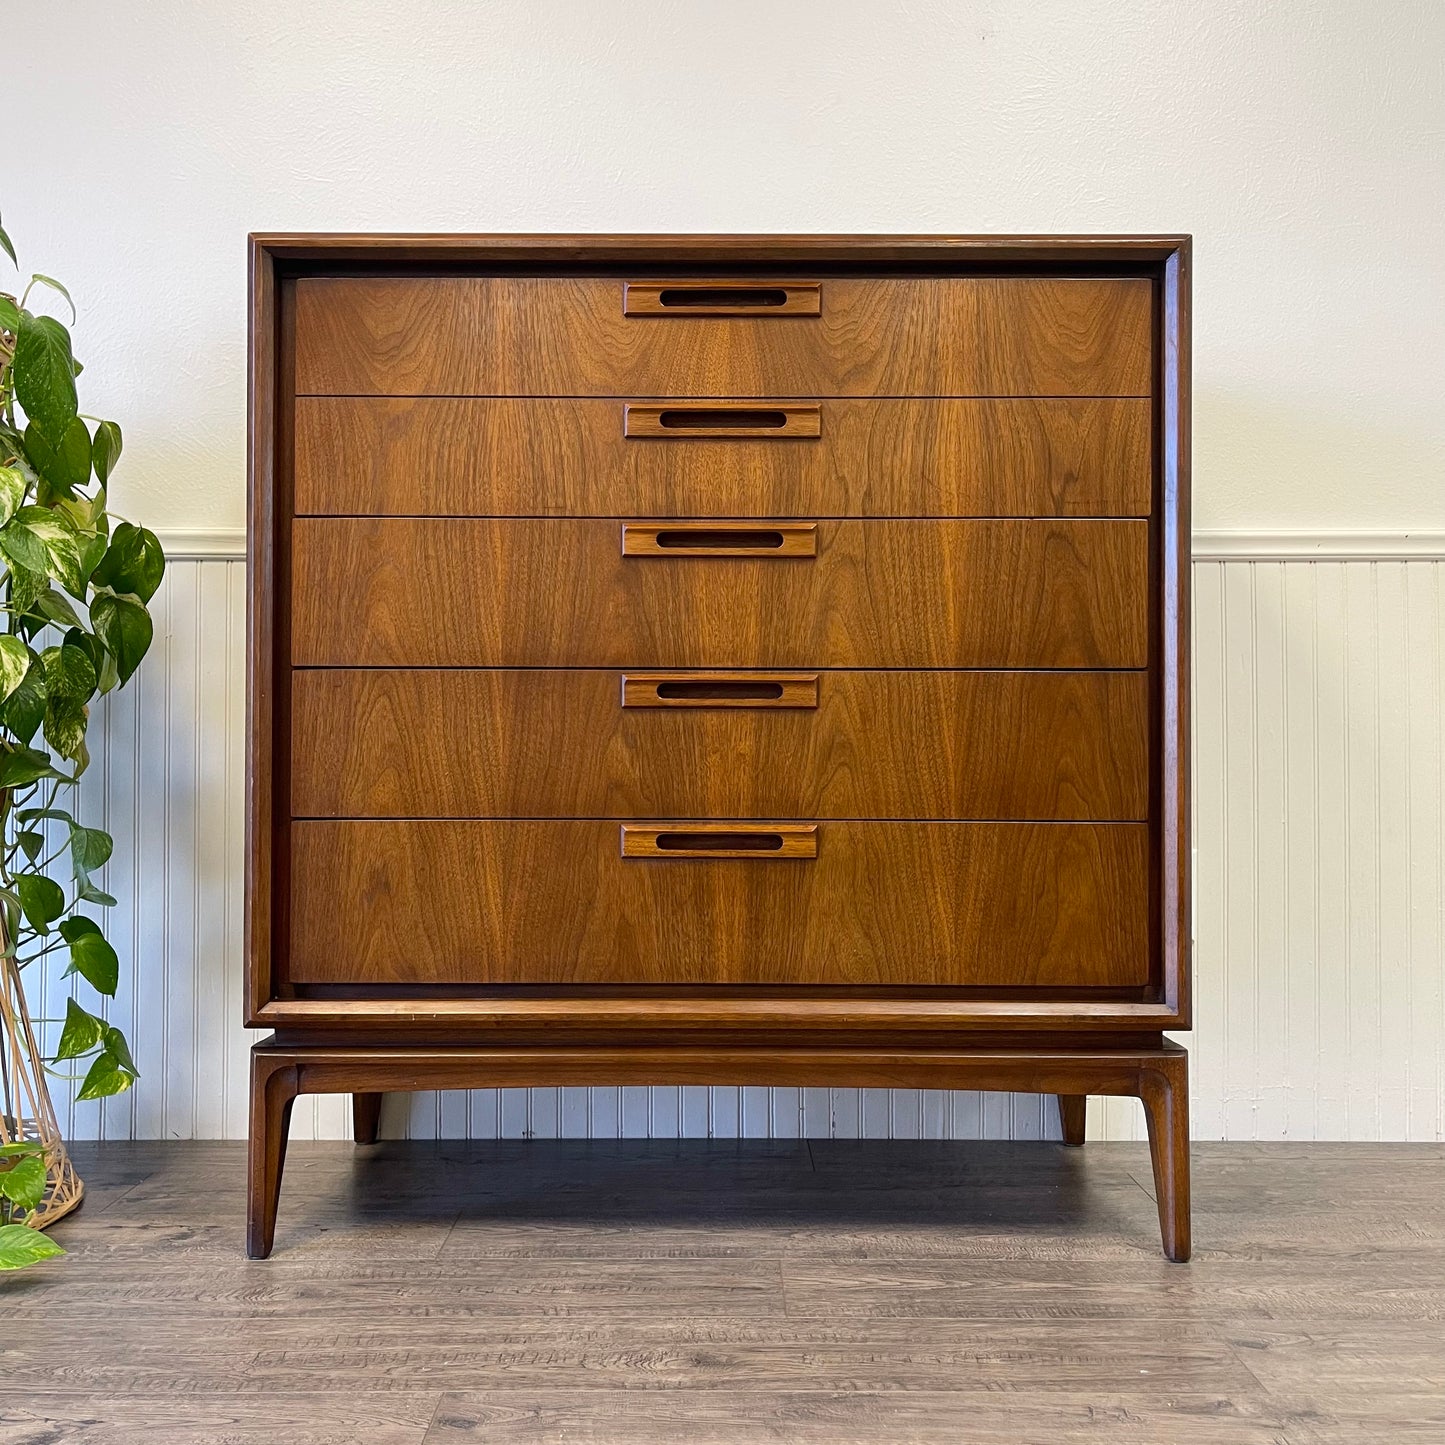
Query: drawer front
[560,593]
[571,336]
[460,743]
[555,902]
[531,456]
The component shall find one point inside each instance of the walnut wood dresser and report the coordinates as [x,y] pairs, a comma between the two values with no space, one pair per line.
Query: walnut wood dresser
[719,659]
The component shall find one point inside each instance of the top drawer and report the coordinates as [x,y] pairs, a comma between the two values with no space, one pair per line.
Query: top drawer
[583,336]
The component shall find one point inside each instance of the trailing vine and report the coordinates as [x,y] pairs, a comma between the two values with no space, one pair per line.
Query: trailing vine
[74,584]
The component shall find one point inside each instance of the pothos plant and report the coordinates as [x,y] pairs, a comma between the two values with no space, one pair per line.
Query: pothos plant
[74,584]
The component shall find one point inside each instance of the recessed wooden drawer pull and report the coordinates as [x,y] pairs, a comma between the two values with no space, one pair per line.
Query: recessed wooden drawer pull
[719,539]
[719,689]
[721,298]
[731,840]
[746,420]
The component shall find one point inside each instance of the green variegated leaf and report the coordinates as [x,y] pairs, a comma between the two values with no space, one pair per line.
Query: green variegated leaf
[105,450]
[32,844]
[56,607]
[109,673]
[64,730]
[82,1032]
[69,673]
[27,585]
[90,849]
[23,547]
[55,285]
[119,1050]
[106,1076]
[87,642]
[41,899]
[14,663]
[8,246]
[40,815]
[132,563]
[44,372]
[24,766]
[57,534]
[124,626]
[24,710]
[87,892]
[23,1182]
[64,464]
[92,958]
[92,547]
[20,1245]
[12,492]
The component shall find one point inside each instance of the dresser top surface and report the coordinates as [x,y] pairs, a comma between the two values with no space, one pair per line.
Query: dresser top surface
[1144,249]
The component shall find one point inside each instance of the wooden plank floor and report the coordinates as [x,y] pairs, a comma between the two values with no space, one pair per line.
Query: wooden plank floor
[649,1293]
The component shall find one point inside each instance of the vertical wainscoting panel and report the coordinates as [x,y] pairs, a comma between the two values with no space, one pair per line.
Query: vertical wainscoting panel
[1319,704]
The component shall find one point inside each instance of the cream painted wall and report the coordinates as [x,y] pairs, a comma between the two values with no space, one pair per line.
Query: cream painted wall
[1300,140]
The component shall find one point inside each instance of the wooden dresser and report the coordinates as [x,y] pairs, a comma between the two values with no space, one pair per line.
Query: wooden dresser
[719,659]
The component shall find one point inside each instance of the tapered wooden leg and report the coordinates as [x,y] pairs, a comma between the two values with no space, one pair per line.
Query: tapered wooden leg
[365,1117]
[274,1085]
[1164,1088]
[1072,1111]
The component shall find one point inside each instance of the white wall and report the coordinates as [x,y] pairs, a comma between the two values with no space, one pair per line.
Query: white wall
[1299,141]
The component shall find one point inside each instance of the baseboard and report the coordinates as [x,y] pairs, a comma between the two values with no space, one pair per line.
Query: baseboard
[1325,546]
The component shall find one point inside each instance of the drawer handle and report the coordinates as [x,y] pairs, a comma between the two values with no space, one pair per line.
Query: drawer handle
[743,420]
[721,298]
[734,840]
[719,539]
[719,689]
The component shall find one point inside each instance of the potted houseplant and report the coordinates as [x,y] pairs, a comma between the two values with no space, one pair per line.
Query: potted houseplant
[74,583]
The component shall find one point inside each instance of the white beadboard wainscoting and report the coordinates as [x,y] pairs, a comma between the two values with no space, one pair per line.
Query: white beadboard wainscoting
[1319,723]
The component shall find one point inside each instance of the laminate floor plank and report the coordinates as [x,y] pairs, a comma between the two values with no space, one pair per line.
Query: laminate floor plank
[141,1419]
[852,1418]
[1209,1289]
[635,1354]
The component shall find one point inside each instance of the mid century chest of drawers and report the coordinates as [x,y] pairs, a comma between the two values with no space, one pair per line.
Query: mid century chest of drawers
[718,660]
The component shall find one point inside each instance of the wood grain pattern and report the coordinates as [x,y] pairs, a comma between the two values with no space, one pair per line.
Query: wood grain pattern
[528,456]
[556,593]
[883,903]
[542,742]
[568,336]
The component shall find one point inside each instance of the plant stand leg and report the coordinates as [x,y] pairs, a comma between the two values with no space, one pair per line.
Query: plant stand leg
[1072,1111]
[1164,1089]
[274,1086]
[365,1117]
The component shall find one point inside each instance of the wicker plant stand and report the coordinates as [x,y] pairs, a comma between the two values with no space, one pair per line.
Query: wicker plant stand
[26,1112]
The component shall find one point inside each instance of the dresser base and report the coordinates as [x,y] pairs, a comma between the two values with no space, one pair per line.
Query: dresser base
[1158,1076]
